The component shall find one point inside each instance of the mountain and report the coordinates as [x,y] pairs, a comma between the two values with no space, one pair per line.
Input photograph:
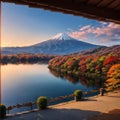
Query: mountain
[60,44]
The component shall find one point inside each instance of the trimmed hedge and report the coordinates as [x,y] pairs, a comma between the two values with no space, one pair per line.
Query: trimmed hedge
[2,111]
[42,102]
[78,95]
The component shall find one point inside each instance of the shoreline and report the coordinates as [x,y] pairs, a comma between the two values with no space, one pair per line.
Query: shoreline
[100,104]
[62,100]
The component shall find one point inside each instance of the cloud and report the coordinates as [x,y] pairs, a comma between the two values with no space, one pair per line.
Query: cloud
[85,27]
[109,40]
[103,23]
[107,32]
[79,35]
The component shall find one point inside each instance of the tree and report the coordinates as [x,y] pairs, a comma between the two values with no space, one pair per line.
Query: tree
[113,75]
[111,60]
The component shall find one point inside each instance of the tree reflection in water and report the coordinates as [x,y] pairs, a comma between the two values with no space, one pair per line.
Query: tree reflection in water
[86,81]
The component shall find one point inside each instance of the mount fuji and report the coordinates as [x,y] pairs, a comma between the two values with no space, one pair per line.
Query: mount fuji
[61,44]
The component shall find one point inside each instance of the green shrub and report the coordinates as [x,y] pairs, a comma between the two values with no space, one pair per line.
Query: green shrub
[42,102]
[78,95]
[2,111]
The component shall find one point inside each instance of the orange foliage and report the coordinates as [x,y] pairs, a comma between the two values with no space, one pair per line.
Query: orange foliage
[113,75]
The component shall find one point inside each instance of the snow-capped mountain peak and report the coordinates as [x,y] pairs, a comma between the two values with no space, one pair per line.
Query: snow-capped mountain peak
[61,44]
[62,36]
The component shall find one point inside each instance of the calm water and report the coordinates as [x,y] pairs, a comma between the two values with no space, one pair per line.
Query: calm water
[25,83]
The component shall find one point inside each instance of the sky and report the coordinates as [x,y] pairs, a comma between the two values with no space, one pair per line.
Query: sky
[24,26]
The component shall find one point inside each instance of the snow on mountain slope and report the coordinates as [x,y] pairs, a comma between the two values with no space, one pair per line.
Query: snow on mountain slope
[62,36]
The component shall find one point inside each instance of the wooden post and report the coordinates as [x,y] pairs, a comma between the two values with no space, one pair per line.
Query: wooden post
[8,111]
[102,91]
[31,107]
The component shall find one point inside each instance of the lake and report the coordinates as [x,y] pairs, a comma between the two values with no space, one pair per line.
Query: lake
[26,82]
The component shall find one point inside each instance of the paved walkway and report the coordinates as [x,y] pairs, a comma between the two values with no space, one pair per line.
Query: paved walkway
[82,110]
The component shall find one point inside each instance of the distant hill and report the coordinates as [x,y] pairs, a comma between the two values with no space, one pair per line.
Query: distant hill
[60,44]
[101,51]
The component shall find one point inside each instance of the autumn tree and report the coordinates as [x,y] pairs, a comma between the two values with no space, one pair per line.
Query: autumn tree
[111,60]
[113,75]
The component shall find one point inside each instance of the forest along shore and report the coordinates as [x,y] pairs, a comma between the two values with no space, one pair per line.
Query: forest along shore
[83,110]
